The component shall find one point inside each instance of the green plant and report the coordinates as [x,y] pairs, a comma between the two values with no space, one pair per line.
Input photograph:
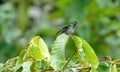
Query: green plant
[36,57]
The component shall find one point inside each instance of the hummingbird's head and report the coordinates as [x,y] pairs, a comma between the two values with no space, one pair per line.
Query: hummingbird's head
[74,24]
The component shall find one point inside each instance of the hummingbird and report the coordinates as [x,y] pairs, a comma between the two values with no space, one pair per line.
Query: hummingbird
[69,29]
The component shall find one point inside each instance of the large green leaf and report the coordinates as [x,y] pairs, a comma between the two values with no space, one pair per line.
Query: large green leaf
[58,52]
[86,53]
[38,50]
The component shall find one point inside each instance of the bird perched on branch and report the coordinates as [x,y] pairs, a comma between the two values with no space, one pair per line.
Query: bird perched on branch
[69,29]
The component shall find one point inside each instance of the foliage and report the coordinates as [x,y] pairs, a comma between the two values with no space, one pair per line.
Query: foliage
[99,25]
[36,57]
[37,52]
[109,66]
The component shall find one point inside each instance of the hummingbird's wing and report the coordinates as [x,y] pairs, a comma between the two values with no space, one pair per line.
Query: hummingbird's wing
[62,30]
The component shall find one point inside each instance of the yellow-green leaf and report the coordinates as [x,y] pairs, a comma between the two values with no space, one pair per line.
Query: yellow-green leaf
[38,50]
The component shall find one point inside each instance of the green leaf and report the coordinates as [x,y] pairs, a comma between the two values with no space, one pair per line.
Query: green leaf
[58,52]
[10,65]
[1,67]
[85,52]
[107,66]
[41,66]
[38,50]
[26,66]
[80,49]
[21,56]
[104,67]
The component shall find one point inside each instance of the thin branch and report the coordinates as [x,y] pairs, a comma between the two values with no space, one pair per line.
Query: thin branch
[117,61]
[82,68]
[70,58]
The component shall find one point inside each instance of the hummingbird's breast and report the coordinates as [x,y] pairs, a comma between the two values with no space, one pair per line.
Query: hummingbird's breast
[70,30]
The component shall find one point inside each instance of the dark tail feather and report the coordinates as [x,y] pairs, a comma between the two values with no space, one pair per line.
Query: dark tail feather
[59,32]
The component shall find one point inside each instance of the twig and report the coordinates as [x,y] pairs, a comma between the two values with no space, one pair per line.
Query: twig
[82,68]
[70,58]
[117,61]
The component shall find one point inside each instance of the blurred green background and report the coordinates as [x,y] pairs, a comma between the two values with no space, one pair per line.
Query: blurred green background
[20,20]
